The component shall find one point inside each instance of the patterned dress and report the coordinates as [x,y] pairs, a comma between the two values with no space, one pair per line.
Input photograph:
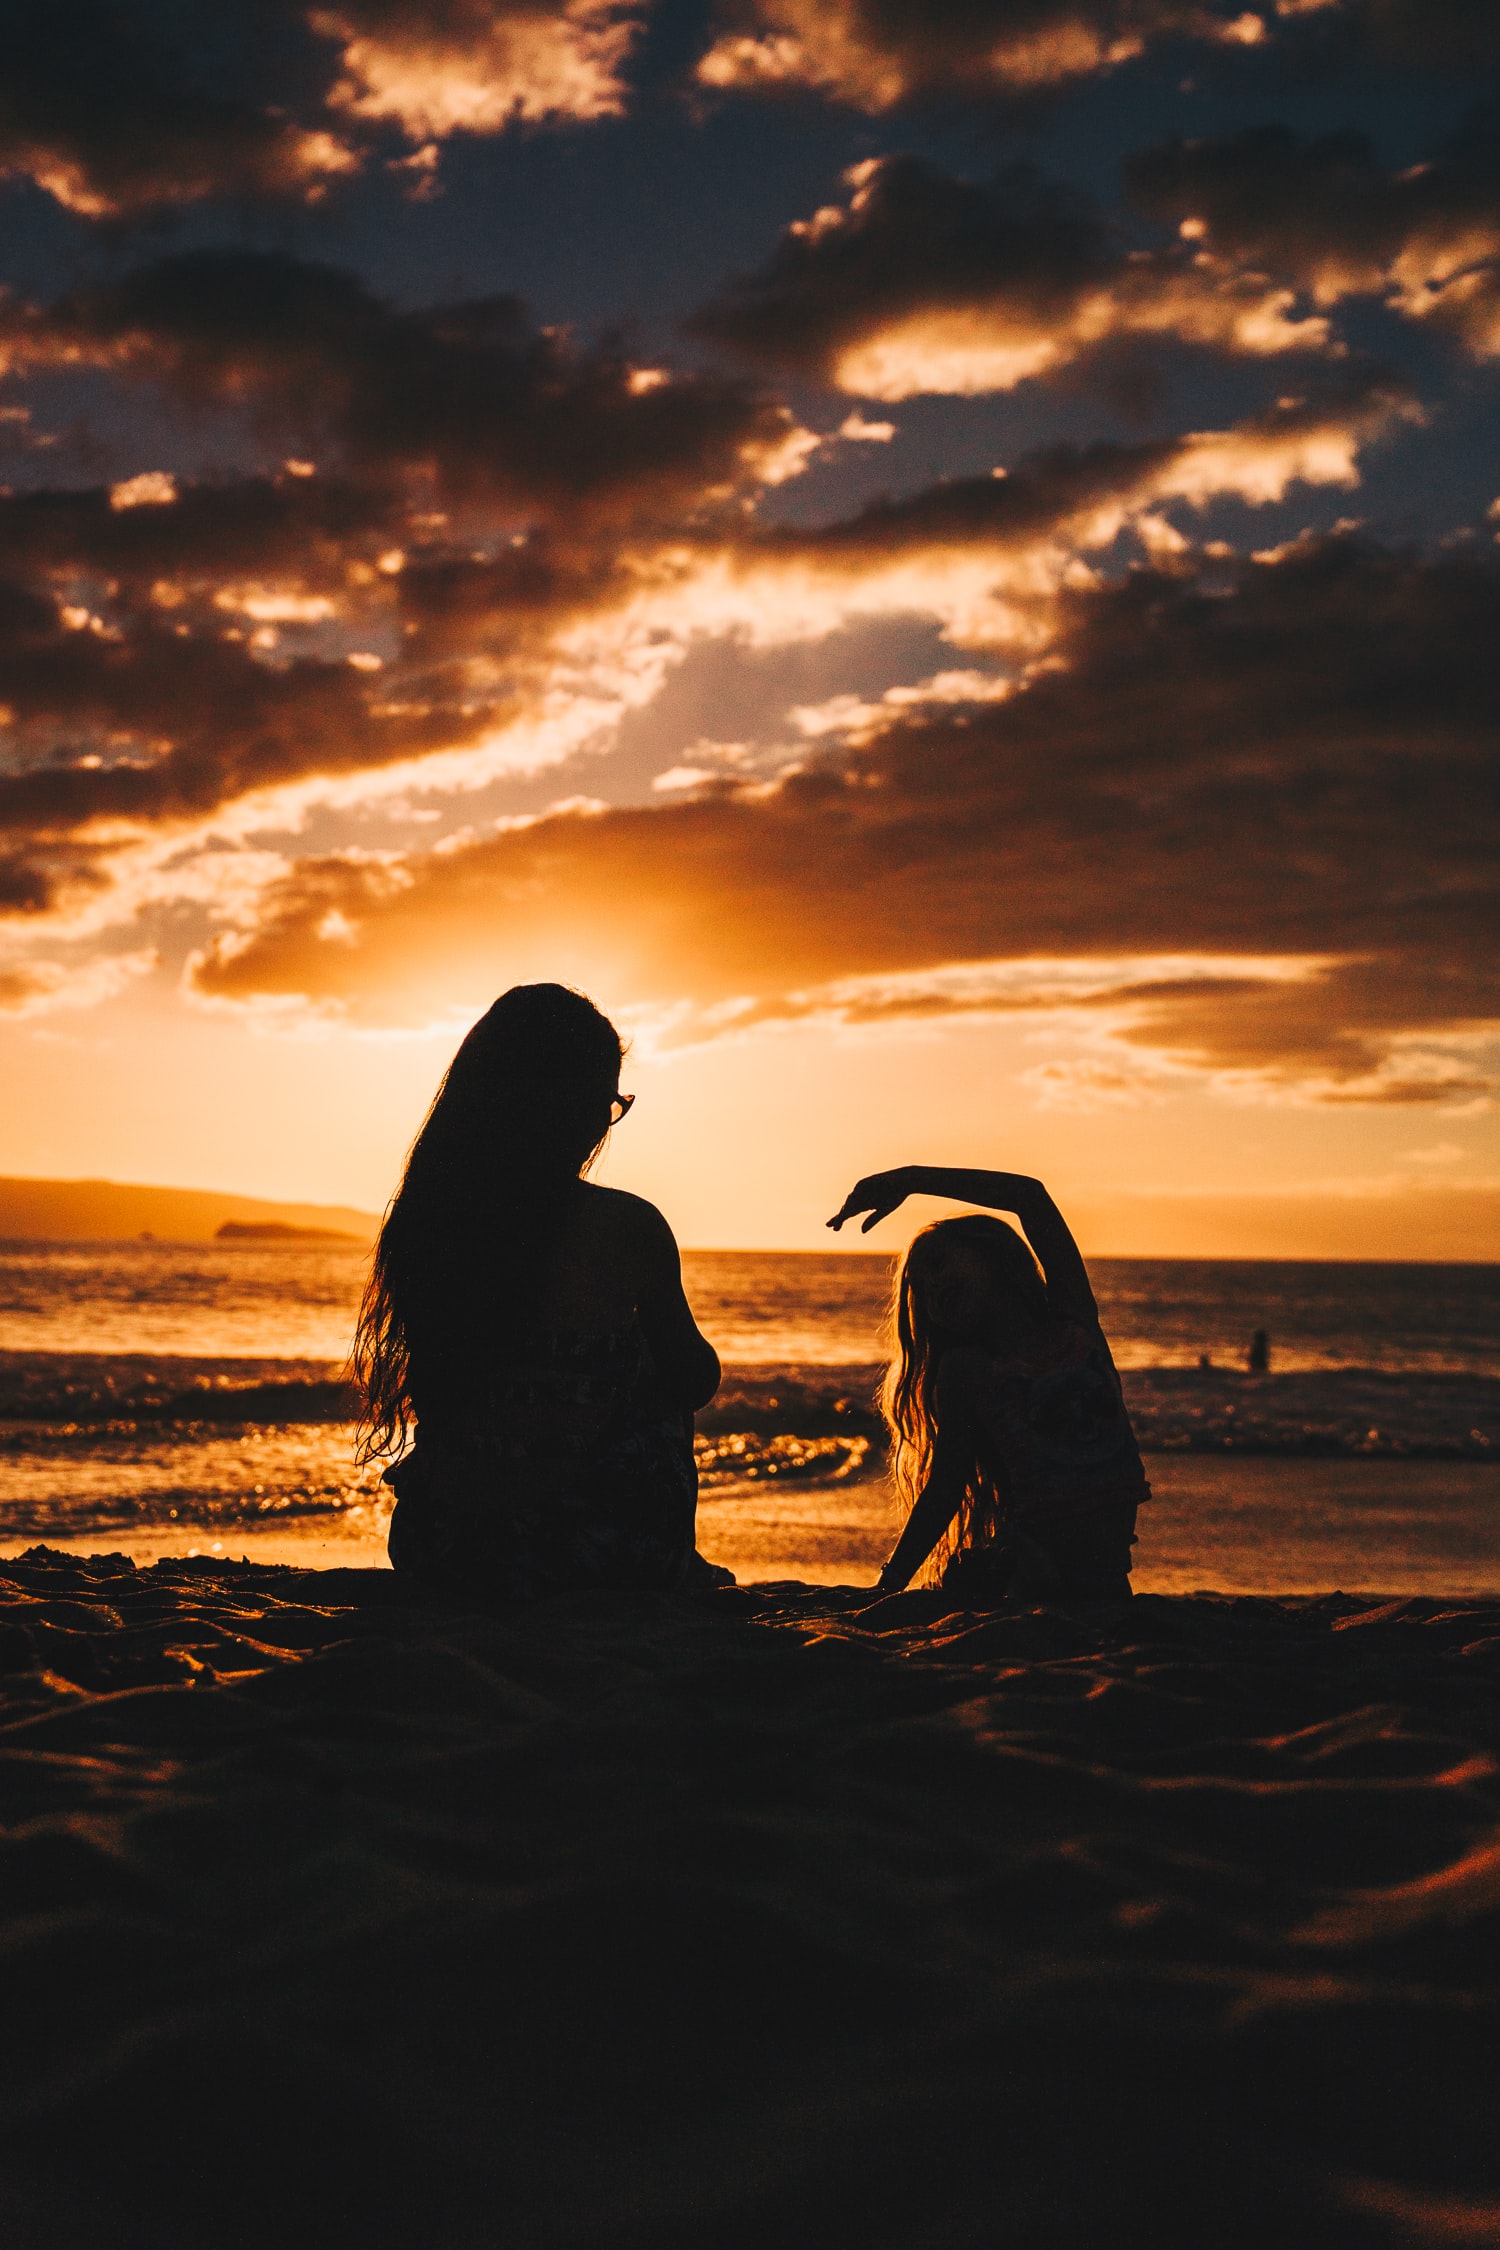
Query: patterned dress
[1056,1417]
[569,1470]
[1054,1428]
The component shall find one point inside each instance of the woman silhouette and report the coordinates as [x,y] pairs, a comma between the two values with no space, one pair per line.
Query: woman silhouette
[532,1327]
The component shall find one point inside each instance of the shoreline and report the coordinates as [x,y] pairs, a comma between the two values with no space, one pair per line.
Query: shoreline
[633,1920]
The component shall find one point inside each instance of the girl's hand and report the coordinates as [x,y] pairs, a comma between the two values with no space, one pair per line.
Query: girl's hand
[880,1195]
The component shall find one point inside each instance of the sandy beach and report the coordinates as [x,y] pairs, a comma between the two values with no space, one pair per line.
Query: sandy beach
[335,1916]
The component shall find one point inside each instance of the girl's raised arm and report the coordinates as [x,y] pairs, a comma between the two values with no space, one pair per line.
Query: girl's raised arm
[1046,1229]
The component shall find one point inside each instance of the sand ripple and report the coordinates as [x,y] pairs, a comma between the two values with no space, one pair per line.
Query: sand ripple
[767,1919]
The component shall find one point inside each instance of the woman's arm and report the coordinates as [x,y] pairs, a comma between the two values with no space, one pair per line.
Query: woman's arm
[685,1359]
[1046,1228]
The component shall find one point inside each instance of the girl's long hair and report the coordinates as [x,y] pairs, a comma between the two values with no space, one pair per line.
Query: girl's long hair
[521,1113]
[908,1395]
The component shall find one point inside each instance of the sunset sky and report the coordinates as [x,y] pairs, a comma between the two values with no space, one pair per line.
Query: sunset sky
[938,557]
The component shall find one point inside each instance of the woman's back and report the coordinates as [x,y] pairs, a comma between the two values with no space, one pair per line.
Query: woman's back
[600,1265]
[607,1335]
[567,1458]
[614,1257]
[587,1293]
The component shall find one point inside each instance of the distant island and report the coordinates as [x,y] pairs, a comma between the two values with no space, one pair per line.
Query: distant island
[277,1230]
[118,1211]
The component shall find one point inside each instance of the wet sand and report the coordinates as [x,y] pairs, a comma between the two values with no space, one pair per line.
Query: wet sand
[770,1919]
[1242,1526]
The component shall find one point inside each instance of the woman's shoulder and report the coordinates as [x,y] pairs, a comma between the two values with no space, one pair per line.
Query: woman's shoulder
[615,1251]
[625,1226]
[623,1214]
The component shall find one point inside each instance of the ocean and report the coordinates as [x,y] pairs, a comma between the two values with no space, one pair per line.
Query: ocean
[160,1398]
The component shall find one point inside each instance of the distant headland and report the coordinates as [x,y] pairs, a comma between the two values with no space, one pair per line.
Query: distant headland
[277,1230]
[119,1211]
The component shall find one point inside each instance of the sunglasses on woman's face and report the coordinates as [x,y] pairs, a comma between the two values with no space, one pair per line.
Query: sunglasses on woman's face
[620,1107]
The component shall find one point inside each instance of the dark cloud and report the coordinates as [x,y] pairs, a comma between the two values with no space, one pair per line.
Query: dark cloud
[923,282]
[139,690]
[1012,531]
[1327,215]
[1366,1031]
[509,604]
[121,111]
[490,482]
[1030,505]
[1321,782]
[304,526]
[1064,487]
[494,411]
[914,239]
[125,112]
[1430,34]
[876,54]
[150,729]
[165,653]
[237,726]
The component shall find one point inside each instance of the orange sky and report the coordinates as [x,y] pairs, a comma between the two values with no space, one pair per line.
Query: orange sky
[752,1141]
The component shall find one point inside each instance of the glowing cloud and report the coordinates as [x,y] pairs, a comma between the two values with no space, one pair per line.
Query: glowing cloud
[1281,816]
[472,66]
[875,56]
[1325,214]
[36,988]
[924,283]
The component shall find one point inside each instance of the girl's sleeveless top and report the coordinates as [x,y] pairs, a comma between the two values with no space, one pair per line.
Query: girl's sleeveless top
[1057,1429]
[567,1470]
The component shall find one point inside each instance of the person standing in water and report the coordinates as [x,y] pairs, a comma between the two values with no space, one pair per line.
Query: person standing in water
[531,1328]
[1011,1443]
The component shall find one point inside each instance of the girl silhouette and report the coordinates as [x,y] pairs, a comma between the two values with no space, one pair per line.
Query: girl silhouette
[531,1326]
[1012,1446]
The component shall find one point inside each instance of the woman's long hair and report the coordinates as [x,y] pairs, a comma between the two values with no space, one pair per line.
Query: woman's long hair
[908,1395]
[461,1261]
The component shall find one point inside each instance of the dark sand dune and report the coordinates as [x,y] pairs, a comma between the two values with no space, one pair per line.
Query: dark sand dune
[764,1920]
